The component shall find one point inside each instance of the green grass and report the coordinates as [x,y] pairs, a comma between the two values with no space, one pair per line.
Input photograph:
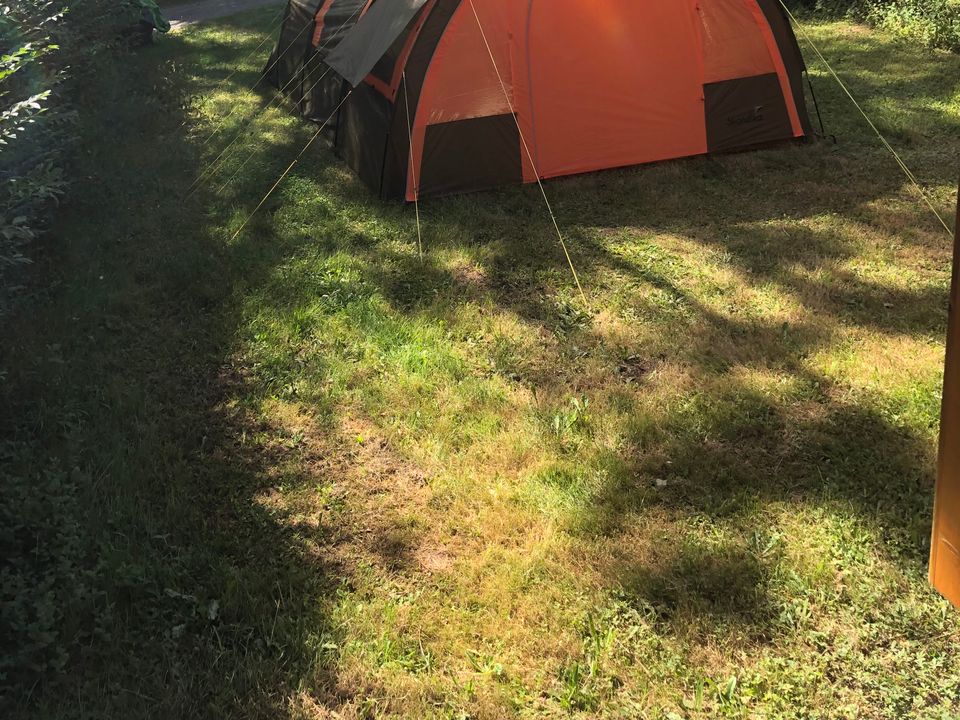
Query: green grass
[305,474]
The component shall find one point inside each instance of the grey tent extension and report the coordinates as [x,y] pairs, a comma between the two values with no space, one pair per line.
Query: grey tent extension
[362,48]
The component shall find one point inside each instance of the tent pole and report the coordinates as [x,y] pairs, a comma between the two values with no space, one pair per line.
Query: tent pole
[945,543]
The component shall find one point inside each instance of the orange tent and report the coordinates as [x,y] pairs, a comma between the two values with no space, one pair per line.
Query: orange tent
[449,96]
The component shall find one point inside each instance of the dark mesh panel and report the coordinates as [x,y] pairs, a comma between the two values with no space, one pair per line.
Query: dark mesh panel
[474,154]
[339,20]
[745,112]
[362,133]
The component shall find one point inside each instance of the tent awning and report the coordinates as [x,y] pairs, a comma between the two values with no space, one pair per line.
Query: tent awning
[371,38]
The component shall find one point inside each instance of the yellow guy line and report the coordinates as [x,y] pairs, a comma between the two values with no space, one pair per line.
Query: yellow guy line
[413,169]
[290,166]
[533,165]
[903,166]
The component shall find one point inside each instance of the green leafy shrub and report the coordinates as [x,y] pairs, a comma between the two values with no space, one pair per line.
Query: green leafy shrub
[47,47]
[47,584]
[932,23]
[935,23]
[50,566]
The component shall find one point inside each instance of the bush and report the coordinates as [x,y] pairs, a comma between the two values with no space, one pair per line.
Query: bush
[47,584]
[932,23]
[31,179]
[46,49]
[935,23]
[51,570]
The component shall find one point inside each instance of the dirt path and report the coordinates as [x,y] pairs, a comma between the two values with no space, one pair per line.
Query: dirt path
[189,13]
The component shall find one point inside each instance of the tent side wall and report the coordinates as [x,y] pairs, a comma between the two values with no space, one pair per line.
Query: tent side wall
[283,70]
[702,77]
[323,89]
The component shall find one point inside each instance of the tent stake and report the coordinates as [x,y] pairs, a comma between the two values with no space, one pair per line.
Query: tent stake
[413,169]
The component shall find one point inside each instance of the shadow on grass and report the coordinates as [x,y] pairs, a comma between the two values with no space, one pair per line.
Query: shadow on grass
[693,586]
[740,448]
[197,597]
[730,447]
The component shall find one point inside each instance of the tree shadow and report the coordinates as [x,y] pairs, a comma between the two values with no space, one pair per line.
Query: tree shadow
[719,589]
[753,447]
[206,597]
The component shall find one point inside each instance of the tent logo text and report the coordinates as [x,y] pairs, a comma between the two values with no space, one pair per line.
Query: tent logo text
[752,116]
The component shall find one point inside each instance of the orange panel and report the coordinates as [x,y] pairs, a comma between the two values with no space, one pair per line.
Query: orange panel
[615,83]
[733,46]
[463,82]
[945,545]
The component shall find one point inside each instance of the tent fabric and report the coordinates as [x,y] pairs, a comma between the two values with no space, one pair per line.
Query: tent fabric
[789,48]
[589,86]
[287,60]
[334,20]
[358,53]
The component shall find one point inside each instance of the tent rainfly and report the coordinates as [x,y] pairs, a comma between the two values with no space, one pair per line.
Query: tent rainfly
[449,96]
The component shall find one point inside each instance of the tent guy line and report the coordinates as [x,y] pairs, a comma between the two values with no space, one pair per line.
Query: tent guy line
[253,152]
[526,148]
[215,163]
[279,94]
[253,87]
[413,170]
[273,25]
[289,167]
[257,113]
[896,156]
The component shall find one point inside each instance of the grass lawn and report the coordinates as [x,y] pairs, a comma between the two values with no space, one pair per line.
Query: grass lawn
[306,474]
